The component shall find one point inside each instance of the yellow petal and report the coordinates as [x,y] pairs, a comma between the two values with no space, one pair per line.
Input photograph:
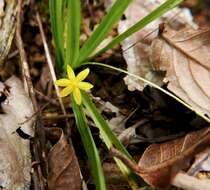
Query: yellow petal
[85,85]
[82,75]
[77,96]
[66,91]
[70,72]
[62,82]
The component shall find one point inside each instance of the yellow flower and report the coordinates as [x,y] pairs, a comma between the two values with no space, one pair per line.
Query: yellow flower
[73,84]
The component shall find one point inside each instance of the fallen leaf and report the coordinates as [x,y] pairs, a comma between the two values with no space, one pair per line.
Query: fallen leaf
[184,56]
[161,162]
[136,48]
[18,106]
[64,171]
[15,157]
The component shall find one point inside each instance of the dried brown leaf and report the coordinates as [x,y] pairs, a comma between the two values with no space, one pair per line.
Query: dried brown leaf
[161,162]
[64,171]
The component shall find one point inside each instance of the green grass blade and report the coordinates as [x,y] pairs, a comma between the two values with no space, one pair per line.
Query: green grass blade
[73,32]
[104,27]
[153,85]
[57,25]
[90,146]
[109,138]
[165,7]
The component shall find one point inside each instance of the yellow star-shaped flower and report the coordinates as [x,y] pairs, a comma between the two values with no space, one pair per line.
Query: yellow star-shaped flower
[73,84]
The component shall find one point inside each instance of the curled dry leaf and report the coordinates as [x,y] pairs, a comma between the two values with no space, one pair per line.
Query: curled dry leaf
[184,55]
[64,171]
[15,157]
[161,162]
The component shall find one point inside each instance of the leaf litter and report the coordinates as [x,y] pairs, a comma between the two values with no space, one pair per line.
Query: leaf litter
[61,151]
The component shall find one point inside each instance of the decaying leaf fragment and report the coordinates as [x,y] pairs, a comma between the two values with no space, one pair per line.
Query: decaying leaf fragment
[184,55]
[15,157]
[64,171]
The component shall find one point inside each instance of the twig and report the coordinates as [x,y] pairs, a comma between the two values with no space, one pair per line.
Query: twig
[51,101]
[38,180]
[116,153]
[49,61]
[56,117]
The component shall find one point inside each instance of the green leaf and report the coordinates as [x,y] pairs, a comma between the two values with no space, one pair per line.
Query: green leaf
[57,25]
[89,145]
[104,27]
[165,7]
[73,32]
[109,137]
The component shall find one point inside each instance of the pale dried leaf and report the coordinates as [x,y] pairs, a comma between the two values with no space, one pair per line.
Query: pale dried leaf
[15,157]
[188,75]
[136,48]
[18,106]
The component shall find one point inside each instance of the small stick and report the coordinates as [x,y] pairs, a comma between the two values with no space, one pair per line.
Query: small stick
[51,101]
[116,153]
[28,86]
[56,117]
[49,61]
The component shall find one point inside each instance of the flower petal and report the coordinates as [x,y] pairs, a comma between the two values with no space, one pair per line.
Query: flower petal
[62,82]
[85,85]
[70,72]
[77,96]
[66,91]
[82,75]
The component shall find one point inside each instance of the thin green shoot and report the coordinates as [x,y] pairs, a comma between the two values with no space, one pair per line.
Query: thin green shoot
[152,85]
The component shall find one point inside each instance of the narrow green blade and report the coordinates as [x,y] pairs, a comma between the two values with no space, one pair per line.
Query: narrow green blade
[104,27]
[168,5]
[90,146]
[109,138]
[57,25]
[73,32]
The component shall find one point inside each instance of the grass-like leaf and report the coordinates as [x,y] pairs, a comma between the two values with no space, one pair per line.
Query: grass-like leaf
[90,146]
[73,32]
[165,7]
[104,27]
[109,137]
[57,25]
